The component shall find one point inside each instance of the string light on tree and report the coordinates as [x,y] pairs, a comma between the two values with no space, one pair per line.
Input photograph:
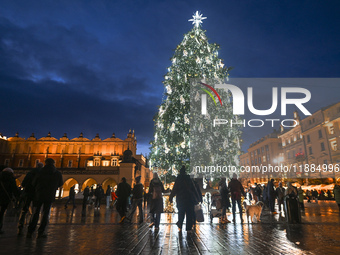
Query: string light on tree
[194,57]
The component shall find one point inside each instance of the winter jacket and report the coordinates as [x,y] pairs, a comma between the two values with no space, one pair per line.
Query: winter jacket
[27,183]
[156,205]
[123,190]
[7,187]
[47,181]
[236,189]
[137,191]
[185,191]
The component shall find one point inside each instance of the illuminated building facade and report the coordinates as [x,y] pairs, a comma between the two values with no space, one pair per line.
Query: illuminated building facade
[83,162]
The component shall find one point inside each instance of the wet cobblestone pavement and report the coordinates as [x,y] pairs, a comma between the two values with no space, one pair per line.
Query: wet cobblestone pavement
[99,233]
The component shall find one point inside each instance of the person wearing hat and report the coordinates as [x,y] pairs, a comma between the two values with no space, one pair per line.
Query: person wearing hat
[137,200]
[46,183]
[8,187]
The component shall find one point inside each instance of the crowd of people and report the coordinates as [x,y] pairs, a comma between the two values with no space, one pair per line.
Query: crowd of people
[40,186]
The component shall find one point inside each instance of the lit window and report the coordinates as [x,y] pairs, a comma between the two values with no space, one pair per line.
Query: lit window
[264,158]
[114,162]
[106,163]
[334,145]
[97,162]
[331,130]
[90,163]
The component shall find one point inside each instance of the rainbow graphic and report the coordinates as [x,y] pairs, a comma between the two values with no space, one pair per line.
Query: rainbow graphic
[209,93]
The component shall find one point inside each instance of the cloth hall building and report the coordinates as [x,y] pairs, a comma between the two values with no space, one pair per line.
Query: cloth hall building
[82,161]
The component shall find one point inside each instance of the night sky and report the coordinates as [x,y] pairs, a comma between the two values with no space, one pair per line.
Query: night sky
[98,66]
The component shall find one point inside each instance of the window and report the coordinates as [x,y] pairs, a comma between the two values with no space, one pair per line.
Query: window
[21,163]
[69,164]
[308,139]
[255,153]
[258,151]
[262,149]
[259,160]
[325,161]
[322,146]
[267,148]
[106,163]
[90,163]
[334,145]
[331,130]
[251,154]
[247,161]
[310,150]
[320,134]
[268,157]
[256,161]
[114,162]
[264,158]
[6,162]
[37,161]
[97,162]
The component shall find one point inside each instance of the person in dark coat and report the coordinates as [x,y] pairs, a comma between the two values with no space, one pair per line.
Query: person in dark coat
[236,190]
[137,200]
[123,192]
[199,196]
[28,194]
[8,188]
[280,193]
[186,199]
[71,197]
[99,194]
[224,192]
[156,200]
[46,183]
[86,194]
[271,196]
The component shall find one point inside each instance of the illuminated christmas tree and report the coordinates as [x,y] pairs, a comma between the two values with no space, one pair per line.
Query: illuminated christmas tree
[181,131]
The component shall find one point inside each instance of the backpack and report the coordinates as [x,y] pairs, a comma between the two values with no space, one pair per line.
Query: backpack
[157,192]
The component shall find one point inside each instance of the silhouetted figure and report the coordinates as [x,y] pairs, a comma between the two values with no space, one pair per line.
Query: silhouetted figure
[186,199]
[280,193]
[156,200]
[224,192]
[46,183]
[271,196]
[29,192]
[108,196]
[71,197]
[99,194]
[123,192]
[336,192]
[8,188]
[236,190]
[86,194]
[137,200]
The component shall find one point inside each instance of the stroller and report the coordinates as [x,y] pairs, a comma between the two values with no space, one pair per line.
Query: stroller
[216,206]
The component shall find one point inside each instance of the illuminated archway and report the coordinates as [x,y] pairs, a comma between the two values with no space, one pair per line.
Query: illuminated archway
[89,182]
[67,186]
[110,182]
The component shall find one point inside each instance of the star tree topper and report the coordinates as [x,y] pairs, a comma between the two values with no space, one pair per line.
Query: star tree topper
[197,19]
